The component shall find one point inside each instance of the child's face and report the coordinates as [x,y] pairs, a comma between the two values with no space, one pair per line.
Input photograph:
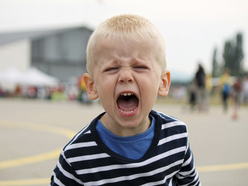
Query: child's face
[127,79]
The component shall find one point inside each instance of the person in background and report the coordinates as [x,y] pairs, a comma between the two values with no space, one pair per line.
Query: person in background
[245,90]
[237,89]
[225,87]
[209,87]
[82,90]
[18,91]
[192,95]
[200,79]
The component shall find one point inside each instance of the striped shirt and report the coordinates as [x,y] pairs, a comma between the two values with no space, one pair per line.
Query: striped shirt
[86,160]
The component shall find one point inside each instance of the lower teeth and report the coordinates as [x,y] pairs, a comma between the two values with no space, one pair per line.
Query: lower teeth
[128,112]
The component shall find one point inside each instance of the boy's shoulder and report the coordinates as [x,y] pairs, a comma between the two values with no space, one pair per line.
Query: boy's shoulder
[166,120]
[169,125]
[83,138]
[80,140]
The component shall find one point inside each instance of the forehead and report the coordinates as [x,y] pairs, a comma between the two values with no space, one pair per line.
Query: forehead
[125,47]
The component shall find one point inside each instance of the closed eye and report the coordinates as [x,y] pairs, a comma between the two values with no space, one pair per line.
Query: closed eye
[111,69]
[140,67]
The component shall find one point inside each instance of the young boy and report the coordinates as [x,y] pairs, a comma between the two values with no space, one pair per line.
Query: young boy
[129,144]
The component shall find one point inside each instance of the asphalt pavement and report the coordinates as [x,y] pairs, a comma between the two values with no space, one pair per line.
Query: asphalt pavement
[32,133]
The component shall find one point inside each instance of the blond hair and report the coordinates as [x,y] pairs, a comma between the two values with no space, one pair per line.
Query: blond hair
[131,27]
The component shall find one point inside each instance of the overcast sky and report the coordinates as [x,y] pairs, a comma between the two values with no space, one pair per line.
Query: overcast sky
[191,28]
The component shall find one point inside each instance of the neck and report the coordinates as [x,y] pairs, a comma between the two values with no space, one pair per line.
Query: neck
[123,131]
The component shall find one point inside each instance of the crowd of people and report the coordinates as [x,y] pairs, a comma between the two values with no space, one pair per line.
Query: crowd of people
[64,91]
[200,90]
[38,92]
[230,88]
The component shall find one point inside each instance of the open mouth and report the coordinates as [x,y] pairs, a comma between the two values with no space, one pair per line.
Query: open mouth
[127,102]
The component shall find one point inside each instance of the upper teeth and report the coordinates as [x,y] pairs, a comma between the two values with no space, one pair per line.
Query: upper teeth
[126,94]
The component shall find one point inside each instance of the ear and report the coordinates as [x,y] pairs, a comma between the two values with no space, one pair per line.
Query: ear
[164,84]
[90,86]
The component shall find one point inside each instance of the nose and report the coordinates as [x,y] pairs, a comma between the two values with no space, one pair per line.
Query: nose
[126,76]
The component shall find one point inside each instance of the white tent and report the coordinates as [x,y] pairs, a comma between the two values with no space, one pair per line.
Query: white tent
[35,77]
[9,79]
[10,75]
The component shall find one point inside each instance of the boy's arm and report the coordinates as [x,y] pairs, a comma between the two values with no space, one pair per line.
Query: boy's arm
[188,175]
[64,174]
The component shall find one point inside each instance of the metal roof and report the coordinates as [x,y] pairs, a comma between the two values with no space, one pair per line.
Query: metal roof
[6,38]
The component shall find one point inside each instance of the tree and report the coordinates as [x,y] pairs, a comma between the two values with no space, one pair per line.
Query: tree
[215,65]
[233,55]
[239,54]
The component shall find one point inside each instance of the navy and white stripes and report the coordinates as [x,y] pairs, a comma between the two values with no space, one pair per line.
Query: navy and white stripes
[85,160]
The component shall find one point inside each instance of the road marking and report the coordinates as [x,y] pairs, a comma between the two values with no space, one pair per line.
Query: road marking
[39,127]
[214,168]
[54,154]
[30,159]
[41,181]
[36,158]
[40,157]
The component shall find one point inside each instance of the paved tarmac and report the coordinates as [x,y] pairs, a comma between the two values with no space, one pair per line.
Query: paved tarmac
[32,133]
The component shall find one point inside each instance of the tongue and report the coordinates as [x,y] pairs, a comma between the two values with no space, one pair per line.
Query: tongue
[129,105]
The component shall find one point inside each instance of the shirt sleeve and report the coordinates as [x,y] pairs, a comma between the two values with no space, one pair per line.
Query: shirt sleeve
[188,174]
[64,174]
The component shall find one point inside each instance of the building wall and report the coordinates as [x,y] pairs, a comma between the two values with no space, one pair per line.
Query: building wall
[16,55]
[62,55]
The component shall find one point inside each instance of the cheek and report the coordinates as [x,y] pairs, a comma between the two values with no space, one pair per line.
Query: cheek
[152,81]
[150,88]
[105,88]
